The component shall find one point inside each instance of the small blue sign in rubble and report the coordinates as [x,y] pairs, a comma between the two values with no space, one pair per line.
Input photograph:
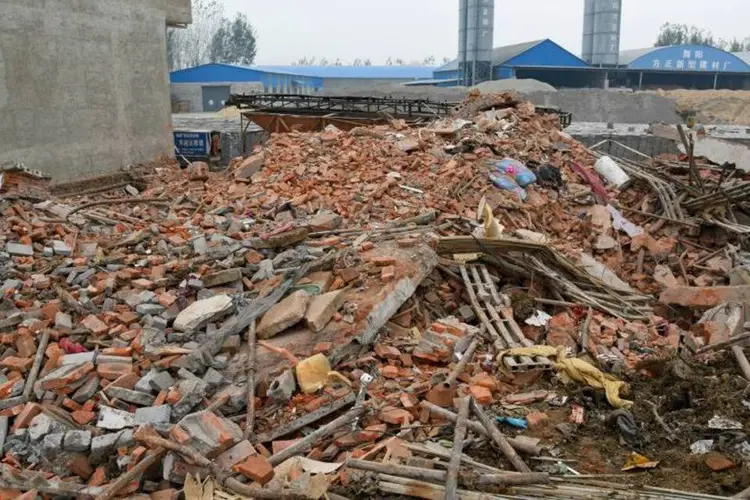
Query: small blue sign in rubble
[193,144]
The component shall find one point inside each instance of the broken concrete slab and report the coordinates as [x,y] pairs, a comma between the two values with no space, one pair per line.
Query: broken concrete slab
[322,308]
[114,419]
[222,277]
[153,415]
[207,433]
[77,440]
[202,312]
[130,396]
[19,249]
[286,313]
[709,296]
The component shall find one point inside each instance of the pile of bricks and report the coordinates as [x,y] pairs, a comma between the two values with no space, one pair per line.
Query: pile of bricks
[110,313]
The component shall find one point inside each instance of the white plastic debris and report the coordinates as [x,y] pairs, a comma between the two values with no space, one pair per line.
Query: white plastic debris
[620,222]
[702,446]
[607,168]
[540,318]
[723,423]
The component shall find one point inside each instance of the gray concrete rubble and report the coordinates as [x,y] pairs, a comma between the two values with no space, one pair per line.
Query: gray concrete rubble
[198,314]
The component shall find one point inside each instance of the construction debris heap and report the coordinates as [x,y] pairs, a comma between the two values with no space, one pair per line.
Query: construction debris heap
[478,304]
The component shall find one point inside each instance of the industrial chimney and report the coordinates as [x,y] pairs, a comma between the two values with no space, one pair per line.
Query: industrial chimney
[475,40]
[601,32]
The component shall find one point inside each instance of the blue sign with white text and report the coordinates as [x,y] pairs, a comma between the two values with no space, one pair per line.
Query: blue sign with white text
[690,58]
[193,144]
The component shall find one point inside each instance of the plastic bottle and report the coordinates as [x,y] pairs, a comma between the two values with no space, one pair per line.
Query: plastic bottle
[607,168]
[507,183]
[514,168]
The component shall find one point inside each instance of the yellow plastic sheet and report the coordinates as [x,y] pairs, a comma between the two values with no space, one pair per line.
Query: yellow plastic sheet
[578,370]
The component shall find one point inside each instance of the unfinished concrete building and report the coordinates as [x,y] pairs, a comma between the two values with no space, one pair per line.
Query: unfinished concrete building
[84,86]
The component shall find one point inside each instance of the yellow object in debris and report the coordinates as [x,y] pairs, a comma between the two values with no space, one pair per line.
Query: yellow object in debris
[492,228]
[313,373]
[636,461]
[578,370]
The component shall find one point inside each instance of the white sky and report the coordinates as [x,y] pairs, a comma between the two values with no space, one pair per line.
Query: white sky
[413,29]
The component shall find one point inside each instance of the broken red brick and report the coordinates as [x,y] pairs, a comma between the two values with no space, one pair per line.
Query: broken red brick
[537,419]
[256,468]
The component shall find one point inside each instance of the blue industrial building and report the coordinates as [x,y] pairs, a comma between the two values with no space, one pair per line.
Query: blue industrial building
[507,60]
[207,87]
[684,66]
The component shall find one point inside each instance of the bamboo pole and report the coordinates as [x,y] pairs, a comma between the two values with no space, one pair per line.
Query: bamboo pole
[499,439]
[477,428]
[451,481]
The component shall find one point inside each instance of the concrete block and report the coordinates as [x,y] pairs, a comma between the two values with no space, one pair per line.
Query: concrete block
[153,415]
[19,249]
[201,312]
[222,277]
[61,248]
[284,314]
[53,444]
[207,433]
[77,441]
[149,309]
[130,396]
[322,308]
[114,419]
[162,381]
[63,321]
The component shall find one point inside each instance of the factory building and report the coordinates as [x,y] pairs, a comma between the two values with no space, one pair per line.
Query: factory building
[207,87]
[684,66]
[541,59]
[84,86]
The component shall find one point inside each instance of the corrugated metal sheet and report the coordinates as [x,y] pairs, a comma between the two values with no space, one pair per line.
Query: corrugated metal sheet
[311,74]
[373,72]
[536,53]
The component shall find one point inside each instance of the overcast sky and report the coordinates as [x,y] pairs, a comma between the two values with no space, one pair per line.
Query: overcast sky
[413,29]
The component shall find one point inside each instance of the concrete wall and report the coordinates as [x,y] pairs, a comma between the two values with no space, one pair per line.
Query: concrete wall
[192,93]
[83,83]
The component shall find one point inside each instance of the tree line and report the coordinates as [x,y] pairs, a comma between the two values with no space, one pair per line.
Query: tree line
[682,34]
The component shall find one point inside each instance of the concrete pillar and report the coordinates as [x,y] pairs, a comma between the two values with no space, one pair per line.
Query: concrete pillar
[716,79]
[640,80]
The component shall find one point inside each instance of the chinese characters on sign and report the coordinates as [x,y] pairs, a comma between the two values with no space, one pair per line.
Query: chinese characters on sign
[192,143]
[691,60]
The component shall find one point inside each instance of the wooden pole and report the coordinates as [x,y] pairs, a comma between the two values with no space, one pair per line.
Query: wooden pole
[514,479]
[433,476]
[148,436]
[153,456]
[325,431]
[499,439]
[451,481]
[477,428]
[461,366]
[724,343]
[739,355]
[251,371]
[306,420]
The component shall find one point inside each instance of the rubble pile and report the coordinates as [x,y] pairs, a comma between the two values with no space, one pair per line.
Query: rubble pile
[480,304]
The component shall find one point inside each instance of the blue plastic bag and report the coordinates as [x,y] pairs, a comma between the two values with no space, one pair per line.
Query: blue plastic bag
[514,168]
[507,183]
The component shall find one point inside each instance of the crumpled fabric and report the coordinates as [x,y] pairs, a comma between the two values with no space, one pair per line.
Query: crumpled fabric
[578,370]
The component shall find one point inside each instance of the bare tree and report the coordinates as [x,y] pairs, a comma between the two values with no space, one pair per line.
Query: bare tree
[191,46]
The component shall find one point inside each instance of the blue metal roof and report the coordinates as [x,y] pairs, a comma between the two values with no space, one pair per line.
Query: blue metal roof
[536,53]
[372,72]
[230,73]
[689,58]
